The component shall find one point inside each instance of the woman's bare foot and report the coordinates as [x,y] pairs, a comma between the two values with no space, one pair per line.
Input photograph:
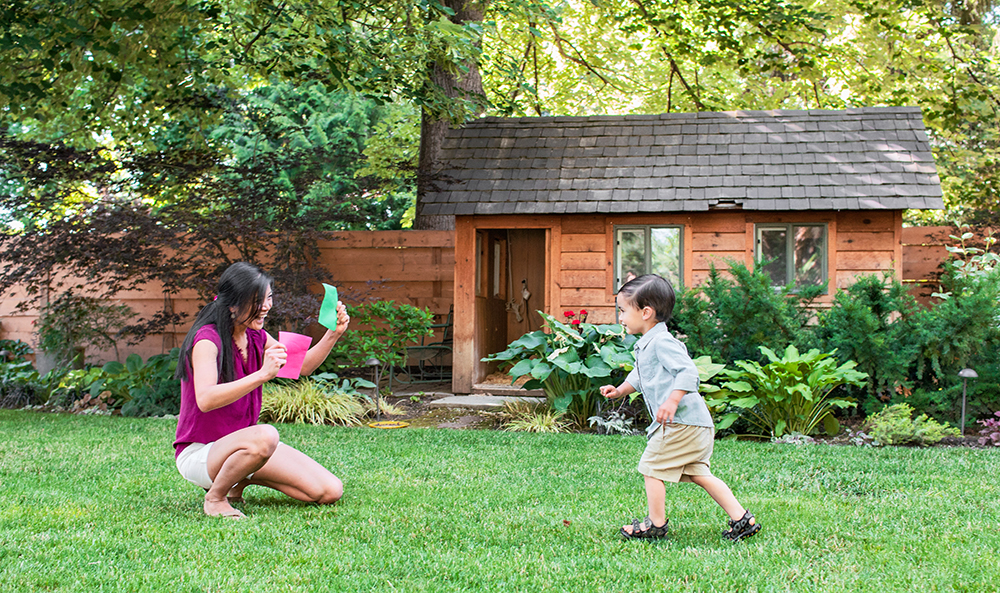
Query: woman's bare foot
[235,495]
[221,508]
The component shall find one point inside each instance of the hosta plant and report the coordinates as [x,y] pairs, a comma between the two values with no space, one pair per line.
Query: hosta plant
[790,394]
[570,363]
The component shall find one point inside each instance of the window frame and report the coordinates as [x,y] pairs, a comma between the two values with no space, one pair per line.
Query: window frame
[789,228]
[648,255]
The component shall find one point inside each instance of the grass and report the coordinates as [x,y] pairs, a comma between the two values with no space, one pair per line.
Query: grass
[95,504]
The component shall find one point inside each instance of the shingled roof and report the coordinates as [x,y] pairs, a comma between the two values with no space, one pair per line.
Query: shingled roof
[856,159]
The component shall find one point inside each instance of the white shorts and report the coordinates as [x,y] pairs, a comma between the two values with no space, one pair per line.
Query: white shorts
[193,464]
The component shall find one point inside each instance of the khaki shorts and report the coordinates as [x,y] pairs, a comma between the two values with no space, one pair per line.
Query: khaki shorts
[677,451]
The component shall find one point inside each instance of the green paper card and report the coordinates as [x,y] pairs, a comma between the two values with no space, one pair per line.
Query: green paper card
[328,311]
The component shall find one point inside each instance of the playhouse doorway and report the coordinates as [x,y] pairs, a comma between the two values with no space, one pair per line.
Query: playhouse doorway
[510,289]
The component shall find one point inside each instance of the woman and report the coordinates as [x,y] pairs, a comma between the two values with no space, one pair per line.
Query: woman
[219,444]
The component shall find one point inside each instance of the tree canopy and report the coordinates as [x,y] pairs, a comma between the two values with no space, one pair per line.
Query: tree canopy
[224,120]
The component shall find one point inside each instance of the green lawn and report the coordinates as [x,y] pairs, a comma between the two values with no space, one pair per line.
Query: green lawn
[95,504]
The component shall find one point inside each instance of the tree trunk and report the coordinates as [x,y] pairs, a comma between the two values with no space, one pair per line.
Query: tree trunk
[433,127]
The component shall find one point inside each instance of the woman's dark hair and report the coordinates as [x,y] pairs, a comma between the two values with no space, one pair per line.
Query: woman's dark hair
[242,287]
[650,290]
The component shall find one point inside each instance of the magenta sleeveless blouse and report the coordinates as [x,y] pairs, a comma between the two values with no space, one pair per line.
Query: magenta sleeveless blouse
[195,426]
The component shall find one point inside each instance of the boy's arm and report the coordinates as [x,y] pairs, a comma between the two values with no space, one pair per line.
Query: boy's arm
[610,391]
[666,412]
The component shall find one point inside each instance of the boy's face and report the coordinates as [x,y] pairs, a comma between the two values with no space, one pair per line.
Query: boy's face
[636,321]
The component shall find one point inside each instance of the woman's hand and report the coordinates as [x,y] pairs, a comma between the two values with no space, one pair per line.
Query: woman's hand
[610,391]
[275,357]
[343,319]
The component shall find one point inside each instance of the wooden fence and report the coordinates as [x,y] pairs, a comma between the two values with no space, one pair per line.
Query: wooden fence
[925,249]
[413,267]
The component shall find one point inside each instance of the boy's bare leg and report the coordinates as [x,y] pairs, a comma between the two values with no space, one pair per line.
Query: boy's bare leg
[721,494]
[656,502]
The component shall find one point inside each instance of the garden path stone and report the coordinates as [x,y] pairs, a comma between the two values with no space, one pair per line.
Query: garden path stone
[481,402]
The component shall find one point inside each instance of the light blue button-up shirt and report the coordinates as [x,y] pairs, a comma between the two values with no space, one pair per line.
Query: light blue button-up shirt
[663,365]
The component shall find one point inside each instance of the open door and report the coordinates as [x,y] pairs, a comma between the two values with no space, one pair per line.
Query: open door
[510,289]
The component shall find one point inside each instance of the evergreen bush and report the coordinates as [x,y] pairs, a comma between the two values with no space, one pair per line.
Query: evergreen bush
[730,319]
[880,326]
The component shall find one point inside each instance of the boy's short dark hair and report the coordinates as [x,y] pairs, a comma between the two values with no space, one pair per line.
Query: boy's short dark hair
[650,290]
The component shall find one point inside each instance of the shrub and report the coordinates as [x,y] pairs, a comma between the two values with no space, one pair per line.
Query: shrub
[20,384]
[528,417]
[570,363]
[312,401]
[71,322]
[148,389]
[894,425]
[990,434]
[388,328]
[880,326]
[788,395]
[730,319]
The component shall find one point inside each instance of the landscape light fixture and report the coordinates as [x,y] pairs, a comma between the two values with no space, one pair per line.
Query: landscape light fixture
[965,374]
[374,362]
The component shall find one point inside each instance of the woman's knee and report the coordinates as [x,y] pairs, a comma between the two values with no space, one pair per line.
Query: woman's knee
[264,441]
[332,491]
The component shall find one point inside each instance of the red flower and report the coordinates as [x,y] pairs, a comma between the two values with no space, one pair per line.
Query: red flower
[583,311]
[575,322]
[569,313]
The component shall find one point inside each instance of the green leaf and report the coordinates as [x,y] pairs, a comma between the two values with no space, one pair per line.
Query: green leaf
[561,403]
[542,370]
[114,368]
[779,428]
[133,363]
[831,425]
[745,402]
[522,368]
[726,421]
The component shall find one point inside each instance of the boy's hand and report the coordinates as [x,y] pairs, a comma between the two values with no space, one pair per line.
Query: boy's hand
[610,391]
[665,414]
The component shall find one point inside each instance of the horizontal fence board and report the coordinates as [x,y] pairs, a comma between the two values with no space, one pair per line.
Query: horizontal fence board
[587,298]
[923,261]
[583,225]
[719,222]
[600,315]
[866,221]
[361,239]
[846,278]
[848,261]
[703,260]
